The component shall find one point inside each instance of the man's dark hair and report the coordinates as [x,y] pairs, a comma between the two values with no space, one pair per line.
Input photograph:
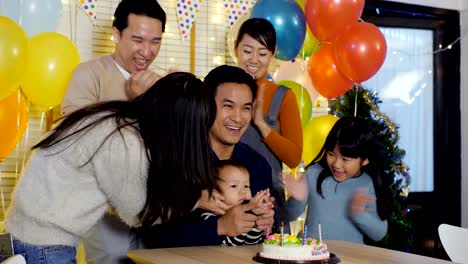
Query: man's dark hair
[149,8]
[229,74]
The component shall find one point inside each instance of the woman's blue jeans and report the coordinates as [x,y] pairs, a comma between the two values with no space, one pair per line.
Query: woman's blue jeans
[54,254]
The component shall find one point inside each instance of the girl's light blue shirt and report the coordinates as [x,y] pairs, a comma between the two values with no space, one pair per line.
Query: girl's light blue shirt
[333,211]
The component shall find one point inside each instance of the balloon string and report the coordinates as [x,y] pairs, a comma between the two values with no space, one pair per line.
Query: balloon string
[303,62]
[355,100]
[3,201]
[317,46]
[75,26]
[303,51]
[26,139]
[70,17]
[20,12]
[18,130]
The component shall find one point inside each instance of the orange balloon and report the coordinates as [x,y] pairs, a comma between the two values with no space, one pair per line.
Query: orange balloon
[360,51]
[329,18]
[13,122]
[326,78]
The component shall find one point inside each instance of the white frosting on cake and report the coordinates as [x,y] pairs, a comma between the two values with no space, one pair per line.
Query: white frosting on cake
[313,251]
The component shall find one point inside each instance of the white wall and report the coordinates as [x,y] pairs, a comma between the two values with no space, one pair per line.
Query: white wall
[462,6]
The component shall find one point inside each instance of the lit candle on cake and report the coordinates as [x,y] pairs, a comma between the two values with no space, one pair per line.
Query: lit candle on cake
[304,235]
[320,233]
[281,233]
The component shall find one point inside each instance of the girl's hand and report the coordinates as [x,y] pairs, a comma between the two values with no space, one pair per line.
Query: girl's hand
[297,188]
[257,112]
[359,201]
[215,203]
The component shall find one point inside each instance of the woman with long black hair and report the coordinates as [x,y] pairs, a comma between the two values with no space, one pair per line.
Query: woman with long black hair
[137,157]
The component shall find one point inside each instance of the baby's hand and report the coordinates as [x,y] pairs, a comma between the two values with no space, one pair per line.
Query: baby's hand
[262,201]
[359,201]
[262,196]
[297,188]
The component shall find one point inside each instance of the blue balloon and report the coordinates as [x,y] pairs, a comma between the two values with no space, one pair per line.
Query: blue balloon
[10,9]
[290,24]
[39,15]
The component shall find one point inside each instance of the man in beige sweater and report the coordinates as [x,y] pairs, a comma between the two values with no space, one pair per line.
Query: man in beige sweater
[137,30]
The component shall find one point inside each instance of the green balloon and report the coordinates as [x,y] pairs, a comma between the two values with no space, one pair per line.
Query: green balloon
[303,100]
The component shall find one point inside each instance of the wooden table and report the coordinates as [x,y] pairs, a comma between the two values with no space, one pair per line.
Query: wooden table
[346,251]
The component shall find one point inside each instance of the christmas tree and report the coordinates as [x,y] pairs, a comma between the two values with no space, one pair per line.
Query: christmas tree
[364,104]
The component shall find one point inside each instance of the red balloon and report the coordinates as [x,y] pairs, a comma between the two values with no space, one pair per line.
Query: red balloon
[327,79]
[329,18]
[360,51]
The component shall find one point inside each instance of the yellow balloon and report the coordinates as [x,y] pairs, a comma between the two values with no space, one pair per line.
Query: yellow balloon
[51,60]
[310,45]
[13,49]
[315,134]
[13,122]
[233,35]
[301,3]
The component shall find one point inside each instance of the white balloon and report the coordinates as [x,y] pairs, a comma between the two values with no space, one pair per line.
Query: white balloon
[38,16]
[296,71]
[10,9]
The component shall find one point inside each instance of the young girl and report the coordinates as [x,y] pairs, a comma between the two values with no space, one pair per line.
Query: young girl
[233,182]
[342,187]
[148,158]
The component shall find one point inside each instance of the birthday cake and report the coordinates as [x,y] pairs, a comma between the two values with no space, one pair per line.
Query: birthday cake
[292,248]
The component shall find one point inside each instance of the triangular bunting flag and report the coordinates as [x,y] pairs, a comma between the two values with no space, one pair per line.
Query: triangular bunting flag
[237,8]
[90,8]
[187,11]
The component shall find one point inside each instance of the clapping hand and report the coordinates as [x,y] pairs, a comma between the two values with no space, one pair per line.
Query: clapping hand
[264,210]
[257,112]
[262,202]
[360,200]
[297,188]
[140,82]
